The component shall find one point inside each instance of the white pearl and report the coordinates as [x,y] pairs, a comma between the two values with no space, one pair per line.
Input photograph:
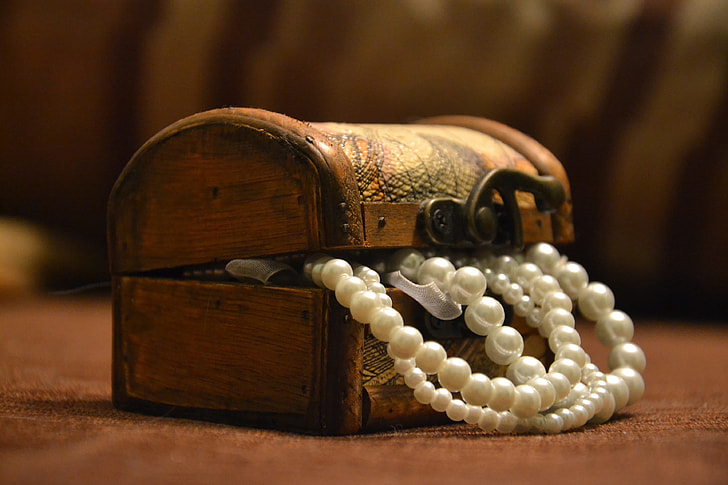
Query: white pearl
[489,276]
[503,394]
[589,406]
[364,305]
[581,415]
[425,392]
[523,306]
[384,321]
[524,369]
[414,378]
[513,294]
[503,345]
[554,319]
[526,403]
[442,398]
[507,422]
[348,287]
[593,378]
[542,287]
[572,279]
[607,409]
[627,355]
[619,389]
[488,420]
[576,393]
[597,401]
[634,381]
[557,299]
[579,390]
[333,271]
[544,255]
[552,423]
[478,390]
[467,285]
[563,335]
[474,414]
[596,301]
[312,268]
[437,270]
[368,275]
[377,288]
[561,383]
[614,328]
[606,412]
[454,374]
[573,352]
[405,342]
[507,265]
[569,368]
[430,356]
[534,317]
[456,410]
[545,389]
[526,273]
[499,283]
[567,416]
[485,314]
[384,299]
[406,261]
[403,366]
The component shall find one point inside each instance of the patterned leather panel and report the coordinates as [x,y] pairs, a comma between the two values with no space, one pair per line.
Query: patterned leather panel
[412,163]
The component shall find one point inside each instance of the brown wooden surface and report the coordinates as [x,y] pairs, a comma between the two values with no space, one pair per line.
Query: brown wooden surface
[212,192]
[389,225]
[387,407]
[229,352]
[220,346]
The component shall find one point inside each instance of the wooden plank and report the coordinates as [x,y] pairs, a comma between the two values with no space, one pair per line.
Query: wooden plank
[219,346]
[391,225]
[392,407]
[396,225]
[213,192]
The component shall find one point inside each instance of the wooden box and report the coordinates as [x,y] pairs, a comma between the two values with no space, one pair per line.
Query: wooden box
[243,183]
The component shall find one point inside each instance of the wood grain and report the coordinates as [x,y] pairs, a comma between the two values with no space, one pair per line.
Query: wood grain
[397,225]
[220,346]
[215,193]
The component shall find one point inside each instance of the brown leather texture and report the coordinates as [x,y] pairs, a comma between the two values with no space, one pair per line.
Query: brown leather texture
[412,163]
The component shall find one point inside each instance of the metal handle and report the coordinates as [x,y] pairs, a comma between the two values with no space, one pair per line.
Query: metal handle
[479,220]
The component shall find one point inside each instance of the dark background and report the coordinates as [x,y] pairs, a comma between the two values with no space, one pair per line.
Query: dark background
[632,97]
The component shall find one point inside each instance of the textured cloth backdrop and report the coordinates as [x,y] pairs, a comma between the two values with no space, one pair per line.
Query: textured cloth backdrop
[632,96]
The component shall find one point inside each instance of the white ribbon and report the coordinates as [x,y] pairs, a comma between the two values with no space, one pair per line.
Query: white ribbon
[430,296]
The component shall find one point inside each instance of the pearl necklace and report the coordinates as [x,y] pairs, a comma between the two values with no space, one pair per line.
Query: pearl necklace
[542,287]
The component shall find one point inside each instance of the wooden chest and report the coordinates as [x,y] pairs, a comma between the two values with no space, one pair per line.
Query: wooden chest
[189,340]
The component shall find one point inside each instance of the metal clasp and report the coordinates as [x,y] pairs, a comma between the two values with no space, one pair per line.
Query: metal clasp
[480,219]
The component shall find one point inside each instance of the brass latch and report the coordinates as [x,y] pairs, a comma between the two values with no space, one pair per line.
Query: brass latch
[480,219]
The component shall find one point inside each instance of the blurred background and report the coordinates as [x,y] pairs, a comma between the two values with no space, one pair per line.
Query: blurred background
[631,96]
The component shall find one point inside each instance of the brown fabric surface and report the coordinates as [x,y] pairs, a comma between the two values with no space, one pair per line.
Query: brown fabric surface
[57,424]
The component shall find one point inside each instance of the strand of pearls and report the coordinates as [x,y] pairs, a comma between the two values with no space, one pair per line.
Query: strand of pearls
[543,287]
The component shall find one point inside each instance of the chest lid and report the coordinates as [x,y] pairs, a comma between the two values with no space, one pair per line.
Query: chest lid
[245,183]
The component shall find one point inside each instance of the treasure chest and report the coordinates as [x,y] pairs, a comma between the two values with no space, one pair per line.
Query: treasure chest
[261,346]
